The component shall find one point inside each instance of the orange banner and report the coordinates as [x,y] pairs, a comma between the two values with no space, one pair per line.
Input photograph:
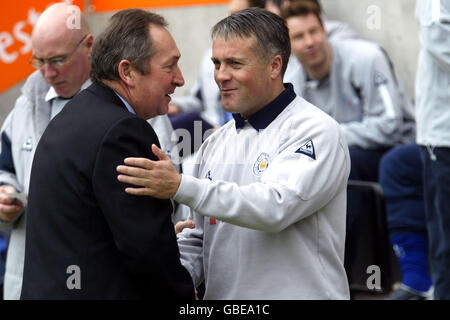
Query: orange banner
[112,5]
[17,19]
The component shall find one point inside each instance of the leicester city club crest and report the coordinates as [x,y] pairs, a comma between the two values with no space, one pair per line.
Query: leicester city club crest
[261,164]
[28,145]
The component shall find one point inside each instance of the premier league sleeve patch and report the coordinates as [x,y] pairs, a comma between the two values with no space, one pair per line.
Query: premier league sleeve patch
[380,79]
[307,149]
[261,164]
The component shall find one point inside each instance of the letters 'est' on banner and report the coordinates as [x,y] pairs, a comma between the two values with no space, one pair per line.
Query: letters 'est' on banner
[112,5]
[17,19]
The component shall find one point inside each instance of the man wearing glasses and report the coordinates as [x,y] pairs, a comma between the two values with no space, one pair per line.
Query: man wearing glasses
[62,57]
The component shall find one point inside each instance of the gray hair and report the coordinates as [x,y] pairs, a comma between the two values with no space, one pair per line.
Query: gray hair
[269,30]
[126,37]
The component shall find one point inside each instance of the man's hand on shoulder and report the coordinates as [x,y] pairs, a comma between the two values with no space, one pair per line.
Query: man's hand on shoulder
[158,179]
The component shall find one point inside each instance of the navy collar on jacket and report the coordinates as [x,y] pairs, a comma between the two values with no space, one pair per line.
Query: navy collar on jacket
[261,119]
[104,92]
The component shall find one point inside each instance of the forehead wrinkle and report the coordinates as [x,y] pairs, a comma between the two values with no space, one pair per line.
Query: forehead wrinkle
[254,47]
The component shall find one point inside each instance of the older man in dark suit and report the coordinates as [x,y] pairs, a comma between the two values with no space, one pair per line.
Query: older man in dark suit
[87,238]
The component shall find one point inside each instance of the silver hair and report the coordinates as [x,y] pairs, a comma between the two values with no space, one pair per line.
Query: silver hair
[268,29]
[126,37]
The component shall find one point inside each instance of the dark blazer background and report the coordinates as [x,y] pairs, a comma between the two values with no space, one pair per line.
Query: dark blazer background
[79,214]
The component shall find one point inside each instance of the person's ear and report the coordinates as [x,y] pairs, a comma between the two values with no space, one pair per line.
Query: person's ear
[127,73]
[325,31]
[89,44]
[275,66]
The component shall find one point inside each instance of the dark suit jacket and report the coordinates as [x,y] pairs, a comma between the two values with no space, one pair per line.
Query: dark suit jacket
[82,228]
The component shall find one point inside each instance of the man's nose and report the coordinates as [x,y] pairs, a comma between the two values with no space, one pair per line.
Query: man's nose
[178,79]
[48,71]
[309,40]
[222,74]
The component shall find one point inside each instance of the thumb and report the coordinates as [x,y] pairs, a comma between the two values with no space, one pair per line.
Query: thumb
[179,226]
[159,153]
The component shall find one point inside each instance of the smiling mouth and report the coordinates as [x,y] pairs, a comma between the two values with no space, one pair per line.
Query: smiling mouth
[313,52]
[58,84]
[227,90]
[168,96]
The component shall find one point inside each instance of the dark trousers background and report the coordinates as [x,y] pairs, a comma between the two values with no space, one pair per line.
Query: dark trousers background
[436,177]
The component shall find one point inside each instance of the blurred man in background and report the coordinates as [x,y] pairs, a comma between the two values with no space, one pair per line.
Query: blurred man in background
[62,57]
[433,133]
[354,82]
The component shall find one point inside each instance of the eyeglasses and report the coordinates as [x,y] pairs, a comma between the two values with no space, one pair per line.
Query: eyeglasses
[56,62]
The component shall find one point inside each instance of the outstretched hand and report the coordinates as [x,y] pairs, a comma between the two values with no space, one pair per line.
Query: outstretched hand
[158,179]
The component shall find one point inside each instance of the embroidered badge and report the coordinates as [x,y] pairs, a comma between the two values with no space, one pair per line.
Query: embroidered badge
[28,145]
[307,149]
[380,79]
[261,164]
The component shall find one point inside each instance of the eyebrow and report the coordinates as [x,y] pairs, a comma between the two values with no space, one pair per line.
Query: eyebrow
[229,59]
[174,58]
[51,58]
[64,55]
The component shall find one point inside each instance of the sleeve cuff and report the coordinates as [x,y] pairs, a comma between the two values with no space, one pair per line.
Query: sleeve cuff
[189,191]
